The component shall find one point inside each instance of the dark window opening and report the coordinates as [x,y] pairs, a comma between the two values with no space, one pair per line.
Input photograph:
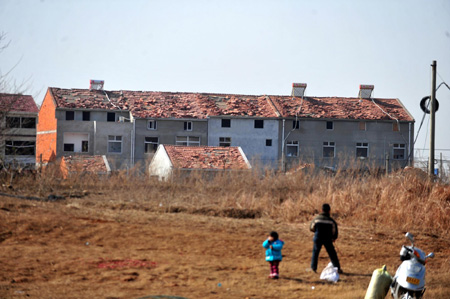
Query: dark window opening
[329,125]
[188,126]
[259,123]
[19,148]
[28,122]
[86,116]
[268,142]
[84,146]
[111,116]
[13,122]
[296,124]
[226,123]
[150,144]
[69,147]
[70,115]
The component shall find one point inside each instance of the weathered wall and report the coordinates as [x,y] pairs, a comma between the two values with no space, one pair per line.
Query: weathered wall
[250,139]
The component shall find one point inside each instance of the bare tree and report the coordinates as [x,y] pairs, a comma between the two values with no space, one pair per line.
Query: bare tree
[11,94]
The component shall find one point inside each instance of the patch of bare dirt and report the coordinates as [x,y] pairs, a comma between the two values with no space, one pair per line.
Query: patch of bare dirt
[79,248]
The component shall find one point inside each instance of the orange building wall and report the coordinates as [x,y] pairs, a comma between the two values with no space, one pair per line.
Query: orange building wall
[46,131]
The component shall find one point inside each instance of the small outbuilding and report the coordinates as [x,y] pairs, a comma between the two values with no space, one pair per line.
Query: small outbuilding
[185,159]
[79,165]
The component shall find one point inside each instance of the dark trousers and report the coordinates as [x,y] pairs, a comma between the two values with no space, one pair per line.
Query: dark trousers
[331,253]
[274,268]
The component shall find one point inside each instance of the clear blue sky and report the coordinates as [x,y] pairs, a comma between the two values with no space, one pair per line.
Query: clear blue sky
[243,47]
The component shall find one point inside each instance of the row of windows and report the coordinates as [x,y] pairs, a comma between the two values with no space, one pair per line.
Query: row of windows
[21,122]
[292,147]
[362,150]
[226,123]
[86,116]
[19,148]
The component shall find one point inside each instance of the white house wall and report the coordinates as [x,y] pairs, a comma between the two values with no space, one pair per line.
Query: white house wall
[160,166]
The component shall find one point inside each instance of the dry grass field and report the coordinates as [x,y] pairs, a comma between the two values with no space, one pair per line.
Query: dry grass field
[133,237]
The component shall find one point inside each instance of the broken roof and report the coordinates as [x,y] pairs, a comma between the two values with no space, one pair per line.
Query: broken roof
[92,164]
[341,108]
[17,103]
[206,157]
[152,104]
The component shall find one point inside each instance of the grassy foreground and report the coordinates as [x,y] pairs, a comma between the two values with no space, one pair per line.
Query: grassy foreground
[129,237]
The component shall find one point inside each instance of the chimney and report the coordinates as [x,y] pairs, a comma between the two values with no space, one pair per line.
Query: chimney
[298,89]
[96,84]
[365,91]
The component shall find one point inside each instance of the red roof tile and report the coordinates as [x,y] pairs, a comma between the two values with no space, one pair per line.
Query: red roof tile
[92,164]
[206,157]
[88,99]
[17,103]
[150,104]
[341,108]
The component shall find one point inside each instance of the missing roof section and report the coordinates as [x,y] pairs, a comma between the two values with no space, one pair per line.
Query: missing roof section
[298,89]
[365,91]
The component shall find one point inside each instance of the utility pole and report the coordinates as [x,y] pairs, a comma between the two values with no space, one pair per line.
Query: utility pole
[432,118]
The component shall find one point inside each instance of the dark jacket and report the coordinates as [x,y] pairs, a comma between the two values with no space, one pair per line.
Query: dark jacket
[324,227]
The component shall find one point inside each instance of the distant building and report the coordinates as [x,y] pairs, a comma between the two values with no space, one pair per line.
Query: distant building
[18,119]
[80,165]
[128,126]
[346,132]
[186,159]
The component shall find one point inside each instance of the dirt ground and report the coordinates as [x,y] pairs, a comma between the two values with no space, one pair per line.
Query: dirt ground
[76,248]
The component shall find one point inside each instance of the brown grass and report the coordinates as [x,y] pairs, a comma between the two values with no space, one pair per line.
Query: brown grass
[196,232]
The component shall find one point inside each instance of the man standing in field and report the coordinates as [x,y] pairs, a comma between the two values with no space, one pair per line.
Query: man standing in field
[325,233]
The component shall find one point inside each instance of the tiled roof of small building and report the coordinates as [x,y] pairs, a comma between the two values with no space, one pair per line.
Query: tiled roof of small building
[17,103]
[91,164]
[206,157]
[341,108]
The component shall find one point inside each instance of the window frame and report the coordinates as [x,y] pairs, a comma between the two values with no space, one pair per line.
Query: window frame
[20,122]
[328,145]
[19,148]
[188,125]
[258,124]
[152,124]
[329,124]
[398,147]
[153,144]
[72,150]
[117,139]
[292,144]
[188,141]
[225,141]
[226,123]
[362,146]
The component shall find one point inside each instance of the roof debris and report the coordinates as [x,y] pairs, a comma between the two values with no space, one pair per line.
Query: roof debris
[151,104]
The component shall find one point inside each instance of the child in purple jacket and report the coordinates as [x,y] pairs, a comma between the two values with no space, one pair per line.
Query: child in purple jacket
[273,253]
